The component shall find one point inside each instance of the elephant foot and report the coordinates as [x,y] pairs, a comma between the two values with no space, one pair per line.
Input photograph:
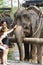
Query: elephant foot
[21,59]
[25,59]
[33,61]
[28,60]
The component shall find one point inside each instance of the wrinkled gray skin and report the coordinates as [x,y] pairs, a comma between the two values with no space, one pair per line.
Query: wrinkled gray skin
[23,21]
[26,20]
[19,36]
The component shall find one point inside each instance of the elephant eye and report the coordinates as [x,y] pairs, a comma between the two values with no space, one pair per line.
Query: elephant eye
[26,18]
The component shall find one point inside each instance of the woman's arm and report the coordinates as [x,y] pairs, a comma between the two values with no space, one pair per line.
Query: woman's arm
[5,33]
[9,31]
[3,36]
[1,42]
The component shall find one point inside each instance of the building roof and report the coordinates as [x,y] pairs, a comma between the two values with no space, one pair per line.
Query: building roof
[33,2]
[5,8]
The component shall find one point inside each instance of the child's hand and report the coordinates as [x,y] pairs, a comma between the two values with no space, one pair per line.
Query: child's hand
[15,26]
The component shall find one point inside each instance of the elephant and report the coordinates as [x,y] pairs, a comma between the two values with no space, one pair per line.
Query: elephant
[24,29]
[29,25]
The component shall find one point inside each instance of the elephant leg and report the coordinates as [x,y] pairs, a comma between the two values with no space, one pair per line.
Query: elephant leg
[26,47]
[20,48]
[18,34]
[30,51]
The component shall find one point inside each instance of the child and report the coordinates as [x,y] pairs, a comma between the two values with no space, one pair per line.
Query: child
[4,40]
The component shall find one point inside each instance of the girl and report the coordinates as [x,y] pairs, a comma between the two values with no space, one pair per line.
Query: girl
[4,40]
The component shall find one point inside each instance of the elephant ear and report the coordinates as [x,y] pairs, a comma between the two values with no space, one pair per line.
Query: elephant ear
[35,13]
[19,14]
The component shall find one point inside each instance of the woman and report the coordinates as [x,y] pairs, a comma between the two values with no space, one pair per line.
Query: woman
[4,40]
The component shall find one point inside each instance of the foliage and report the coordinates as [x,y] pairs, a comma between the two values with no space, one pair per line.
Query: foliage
[1,11]
[14,9]
[1,2]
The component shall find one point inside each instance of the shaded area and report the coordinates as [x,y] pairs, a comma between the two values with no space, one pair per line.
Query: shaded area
[33,2]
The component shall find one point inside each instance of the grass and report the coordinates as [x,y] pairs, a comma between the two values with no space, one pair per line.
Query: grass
[10,55]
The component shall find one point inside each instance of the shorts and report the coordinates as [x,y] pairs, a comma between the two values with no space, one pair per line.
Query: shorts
[6,41]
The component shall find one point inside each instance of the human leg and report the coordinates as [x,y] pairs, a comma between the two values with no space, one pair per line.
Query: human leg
[5,53]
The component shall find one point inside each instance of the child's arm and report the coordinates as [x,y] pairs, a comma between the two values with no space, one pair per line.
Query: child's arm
[3,36]
[1,42]
[9,31]
[5,33]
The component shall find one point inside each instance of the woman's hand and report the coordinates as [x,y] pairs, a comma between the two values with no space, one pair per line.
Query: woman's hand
[15,26]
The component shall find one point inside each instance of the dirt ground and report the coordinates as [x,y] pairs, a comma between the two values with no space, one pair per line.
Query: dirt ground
[20,63]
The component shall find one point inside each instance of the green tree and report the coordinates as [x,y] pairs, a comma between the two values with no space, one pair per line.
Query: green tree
[1,2]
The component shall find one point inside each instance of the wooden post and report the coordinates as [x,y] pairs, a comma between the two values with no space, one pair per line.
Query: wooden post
[18,4]
[11,4]
[34,53]
[31,40]
[37,49]
[34,40]
[40,54]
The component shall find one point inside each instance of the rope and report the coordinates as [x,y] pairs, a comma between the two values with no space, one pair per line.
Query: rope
[37,28]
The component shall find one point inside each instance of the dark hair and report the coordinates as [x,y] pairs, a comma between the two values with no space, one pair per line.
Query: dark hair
[6,14]
[2,21]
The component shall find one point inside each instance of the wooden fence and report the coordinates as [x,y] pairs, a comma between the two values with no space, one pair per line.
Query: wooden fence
[37,50]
